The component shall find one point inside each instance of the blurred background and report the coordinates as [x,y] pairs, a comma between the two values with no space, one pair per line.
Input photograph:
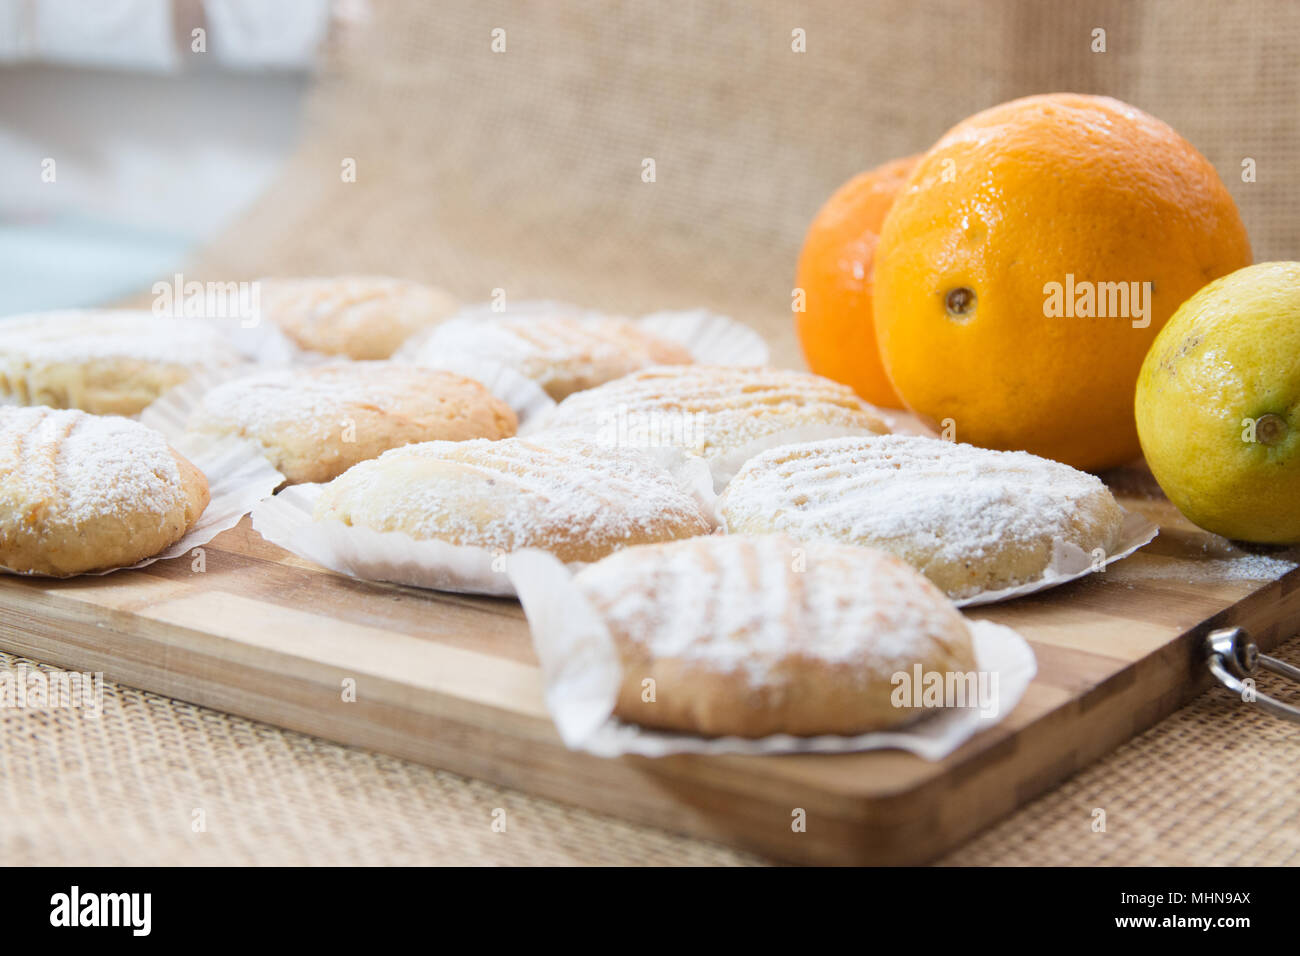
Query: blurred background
[499,144]
[154,147]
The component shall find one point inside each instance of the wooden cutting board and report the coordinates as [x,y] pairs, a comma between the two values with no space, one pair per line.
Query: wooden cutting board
[452,681]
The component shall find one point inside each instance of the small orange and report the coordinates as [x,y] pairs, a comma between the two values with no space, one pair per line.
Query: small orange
[1028,263]
[835,272]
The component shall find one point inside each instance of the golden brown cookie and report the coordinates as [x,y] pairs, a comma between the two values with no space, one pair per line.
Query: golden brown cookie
[360,317]
[105,361]
[315,422]
[970,519]
[756,635]
[572,498]
[562,350]
[83,492]
[721,413]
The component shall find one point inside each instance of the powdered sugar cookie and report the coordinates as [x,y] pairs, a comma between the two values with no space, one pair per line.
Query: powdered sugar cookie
[971,519]
[576,500]
[561,348]
[361,317]
[316,422]
[83,492]
[756,635]
[105,361]
[721,413]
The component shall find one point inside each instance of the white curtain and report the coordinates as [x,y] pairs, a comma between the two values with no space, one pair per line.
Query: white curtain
[158,35]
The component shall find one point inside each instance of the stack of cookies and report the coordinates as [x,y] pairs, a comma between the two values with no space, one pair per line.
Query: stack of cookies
[818,555]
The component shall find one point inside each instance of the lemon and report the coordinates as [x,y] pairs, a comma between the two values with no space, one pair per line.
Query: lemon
[1218,405]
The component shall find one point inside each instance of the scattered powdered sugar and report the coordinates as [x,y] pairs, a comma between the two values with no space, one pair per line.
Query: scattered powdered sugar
[88,334]
[751,603]
[952,501]
[1243,567]
[709,409]
[512,494]
[1257,567]
[84,466]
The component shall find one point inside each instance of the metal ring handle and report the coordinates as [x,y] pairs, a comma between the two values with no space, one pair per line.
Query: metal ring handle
[1233,658]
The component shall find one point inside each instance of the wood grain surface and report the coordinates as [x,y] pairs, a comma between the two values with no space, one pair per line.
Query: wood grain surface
[452,681]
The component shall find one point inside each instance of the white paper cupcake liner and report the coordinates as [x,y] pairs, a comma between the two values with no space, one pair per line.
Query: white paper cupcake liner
[582,674]
[712,339]
[238,477]
[260,344]
[1070,562]
[397,558]
[170,411]
[388,556]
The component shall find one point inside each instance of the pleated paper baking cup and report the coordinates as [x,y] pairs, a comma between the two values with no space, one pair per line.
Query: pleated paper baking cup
[238,478]
[386,556]
[395,557]
[1070,562]
[260,343]
[171,410]
[712,339]
[582,675]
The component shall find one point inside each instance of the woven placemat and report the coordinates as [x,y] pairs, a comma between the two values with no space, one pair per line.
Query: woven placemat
[157,781]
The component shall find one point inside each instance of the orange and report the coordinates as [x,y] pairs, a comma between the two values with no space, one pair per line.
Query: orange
[1029,262]
[835,272]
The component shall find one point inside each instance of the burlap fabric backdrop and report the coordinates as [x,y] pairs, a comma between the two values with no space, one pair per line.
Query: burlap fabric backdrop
[522,170]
